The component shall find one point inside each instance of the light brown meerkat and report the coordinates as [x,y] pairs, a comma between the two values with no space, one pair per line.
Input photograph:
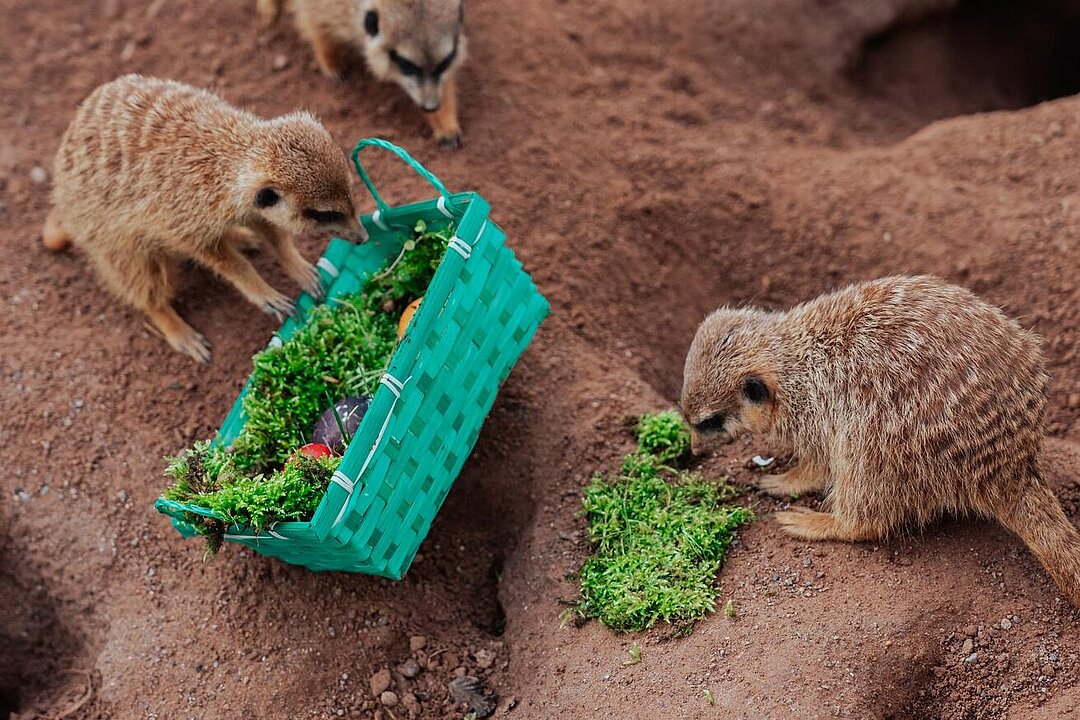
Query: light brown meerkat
[418,44]
[151,172]
[903,399]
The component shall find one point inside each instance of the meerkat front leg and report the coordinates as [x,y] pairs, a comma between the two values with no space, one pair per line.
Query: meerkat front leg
[269,10]
[813,525]
[296,267]
[224,259]
[803,478]
[444,121]
[331,55]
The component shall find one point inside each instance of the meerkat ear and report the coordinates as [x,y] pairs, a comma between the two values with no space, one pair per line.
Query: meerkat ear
[266,197]
[371,23]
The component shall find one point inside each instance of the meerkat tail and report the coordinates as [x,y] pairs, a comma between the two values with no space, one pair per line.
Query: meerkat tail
[1042,524]
[53,235]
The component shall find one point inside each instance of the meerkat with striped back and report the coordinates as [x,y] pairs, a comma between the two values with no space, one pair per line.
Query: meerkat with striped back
[151,172]
[903,398]
[418,44]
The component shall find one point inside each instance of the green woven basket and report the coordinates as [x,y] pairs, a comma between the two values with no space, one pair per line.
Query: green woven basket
[478,315]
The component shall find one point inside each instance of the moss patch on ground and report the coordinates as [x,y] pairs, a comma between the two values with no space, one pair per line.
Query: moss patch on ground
[659,535]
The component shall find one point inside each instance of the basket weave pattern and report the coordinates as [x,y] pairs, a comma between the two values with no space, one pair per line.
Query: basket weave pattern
[479,313]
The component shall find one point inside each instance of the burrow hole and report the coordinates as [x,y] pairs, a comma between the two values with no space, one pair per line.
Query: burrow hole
[981,55]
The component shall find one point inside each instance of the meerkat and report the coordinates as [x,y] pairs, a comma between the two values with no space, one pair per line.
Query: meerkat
[151,172]
[419,44]
[903,399]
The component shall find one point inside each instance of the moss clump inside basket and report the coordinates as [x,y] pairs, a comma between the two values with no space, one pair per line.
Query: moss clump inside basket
[659,534]
[342,350]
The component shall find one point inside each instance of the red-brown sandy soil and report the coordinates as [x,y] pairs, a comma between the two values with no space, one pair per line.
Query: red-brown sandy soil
[649,161]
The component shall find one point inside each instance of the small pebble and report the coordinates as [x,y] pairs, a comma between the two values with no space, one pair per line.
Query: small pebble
[388,698]
[281,61]
[411,703]
[484,658]
[968,647]
[410,668]
[417,643]
[972,658]
[1006,624]
[380,682]
[38,175]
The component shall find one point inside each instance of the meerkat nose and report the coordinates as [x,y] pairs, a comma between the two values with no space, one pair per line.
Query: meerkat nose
[697,447]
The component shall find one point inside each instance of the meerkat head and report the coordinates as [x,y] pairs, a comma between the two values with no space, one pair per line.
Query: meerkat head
[418,44]
[730,377]
[298,179]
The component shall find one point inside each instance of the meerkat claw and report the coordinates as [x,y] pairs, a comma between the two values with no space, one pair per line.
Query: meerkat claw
[279,306]
[451,142]
[192,344]
[312,283]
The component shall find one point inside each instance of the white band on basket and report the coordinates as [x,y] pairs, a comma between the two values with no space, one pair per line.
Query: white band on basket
[343,481]
[463,248]
[441,204]
[275,341]
[269,531]
[395,386]
[328,266]
[376,217]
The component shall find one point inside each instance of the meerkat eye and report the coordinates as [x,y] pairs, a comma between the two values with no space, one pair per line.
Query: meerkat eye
[371,23]
[446,63]
[324,216]
[407,67]
[755,390]
[266,197]
[712,424]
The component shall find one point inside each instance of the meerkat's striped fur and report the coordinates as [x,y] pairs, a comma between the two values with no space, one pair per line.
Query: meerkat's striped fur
[903,399]
[151,172]
[419,44]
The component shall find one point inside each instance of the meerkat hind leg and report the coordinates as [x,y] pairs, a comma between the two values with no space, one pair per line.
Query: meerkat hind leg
[179,334]
[801,479]
[813,525]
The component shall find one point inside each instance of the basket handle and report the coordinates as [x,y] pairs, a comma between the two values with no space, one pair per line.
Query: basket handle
[409,160]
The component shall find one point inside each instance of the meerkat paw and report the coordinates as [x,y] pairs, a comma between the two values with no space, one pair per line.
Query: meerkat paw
[807,524]
[189,341]
[775,485]
[194,345]
[450,141]
[278,305]
[307,277]
[813,525]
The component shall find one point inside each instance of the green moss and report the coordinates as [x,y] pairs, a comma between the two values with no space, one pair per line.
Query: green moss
[663,435]
[342,349]
[659,537]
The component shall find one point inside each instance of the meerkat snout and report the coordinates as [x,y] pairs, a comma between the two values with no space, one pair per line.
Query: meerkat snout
[285,193]
[727,388]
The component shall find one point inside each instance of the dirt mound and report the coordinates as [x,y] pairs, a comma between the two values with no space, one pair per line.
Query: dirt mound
[649,161]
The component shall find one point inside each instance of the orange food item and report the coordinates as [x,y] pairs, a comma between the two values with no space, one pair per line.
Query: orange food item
[407,316]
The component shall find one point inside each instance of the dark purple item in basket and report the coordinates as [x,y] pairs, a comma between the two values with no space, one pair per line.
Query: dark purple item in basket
[350,412]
